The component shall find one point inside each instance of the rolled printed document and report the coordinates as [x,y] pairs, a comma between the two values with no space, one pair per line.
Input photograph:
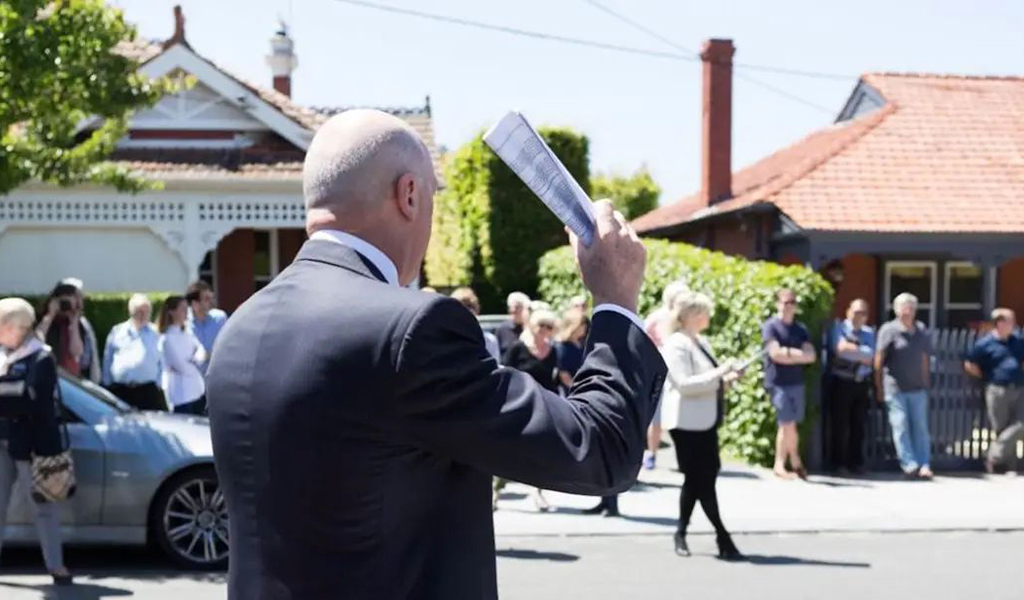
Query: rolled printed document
[519,146]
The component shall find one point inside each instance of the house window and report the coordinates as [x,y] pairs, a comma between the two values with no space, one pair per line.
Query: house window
[964,294]
[208,269]
[917,278]
[265,261]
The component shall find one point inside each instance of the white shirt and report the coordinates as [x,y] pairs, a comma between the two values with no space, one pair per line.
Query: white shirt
[368,251]
[387,267]
[181,380]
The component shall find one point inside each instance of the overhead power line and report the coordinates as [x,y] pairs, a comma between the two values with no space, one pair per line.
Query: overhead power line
[683,54]
[767,86]
[665,40]
[516,31]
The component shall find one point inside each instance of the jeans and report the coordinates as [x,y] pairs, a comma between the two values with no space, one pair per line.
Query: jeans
[908,418]
[16,477]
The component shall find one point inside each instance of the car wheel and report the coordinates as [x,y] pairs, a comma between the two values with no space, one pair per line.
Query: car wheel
[190,520]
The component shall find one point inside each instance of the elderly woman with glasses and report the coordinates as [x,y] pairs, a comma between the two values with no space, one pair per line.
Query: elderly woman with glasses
[534,354]
[29,424]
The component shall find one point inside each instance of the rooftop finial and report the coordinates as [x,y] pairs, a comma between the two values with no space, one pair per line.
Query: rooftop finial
[179,29]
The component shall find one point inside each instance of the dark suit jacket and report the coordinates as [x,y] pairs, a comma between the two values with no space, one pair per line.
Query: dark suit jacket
[356,426]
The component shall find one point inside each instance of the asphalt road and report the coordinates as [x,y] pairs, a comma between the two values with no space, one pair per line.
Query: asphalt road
[935,566]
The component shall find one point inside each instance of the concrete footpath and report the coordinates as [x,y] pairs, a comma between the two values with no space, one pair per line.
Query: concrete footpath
[753,500]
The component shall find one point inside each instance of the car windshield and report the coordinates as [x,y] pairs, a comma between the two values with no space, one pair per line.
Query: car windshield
[81,395]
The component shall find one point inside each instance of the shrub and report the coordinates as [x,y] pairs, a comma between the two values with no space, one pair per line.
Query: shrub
[104,310]
[489,228]
[632,195]
[744,296]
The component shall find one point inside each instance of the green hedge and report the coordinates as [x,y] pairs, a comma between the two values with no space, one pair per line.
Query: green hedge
[744,296]
[489,228]
[103,310]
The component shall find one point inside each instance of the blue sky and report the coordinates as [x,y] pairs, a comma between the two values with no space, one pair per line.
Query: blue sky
[636,110]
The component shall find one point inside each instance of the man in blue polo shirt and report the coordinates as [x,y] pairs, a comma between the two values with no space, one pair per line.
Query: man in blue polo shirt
[997,359]
[205,320]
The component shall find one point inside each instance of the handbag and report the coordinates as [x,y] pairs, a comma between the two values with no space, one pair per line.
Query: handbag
[53,477]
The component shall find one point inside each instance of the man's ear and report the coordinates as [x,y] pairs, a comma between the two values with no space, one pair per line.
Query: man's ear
[405,192]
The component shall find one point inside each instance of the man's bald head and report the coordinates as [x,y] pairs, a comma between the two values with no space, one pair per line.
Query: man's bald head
[356,158]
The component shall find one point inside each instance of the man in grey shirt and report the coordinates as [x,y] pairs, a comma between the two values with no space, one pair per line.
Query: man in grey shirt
[902,378]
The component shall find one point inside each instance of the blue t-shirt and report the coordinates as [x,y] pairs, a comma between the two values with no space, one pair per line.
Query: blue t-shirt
[793,335]
[999,360]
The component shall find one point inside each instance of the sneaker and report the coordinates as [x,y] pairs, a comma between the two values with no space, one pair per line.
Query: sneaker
[649,460]
[926,474]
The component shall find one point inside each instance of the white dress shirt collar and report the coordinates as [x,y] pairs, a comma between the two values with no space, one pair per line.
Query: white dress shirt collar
[368,251]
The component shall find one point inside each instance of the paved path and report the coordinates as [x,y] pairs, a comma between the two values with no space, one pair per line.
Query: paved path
[754,500]
[834,538]
[931,566]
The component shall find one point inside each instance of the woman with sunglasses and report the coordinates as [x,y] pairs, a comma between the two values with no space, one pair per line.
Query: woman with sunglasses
[534,354]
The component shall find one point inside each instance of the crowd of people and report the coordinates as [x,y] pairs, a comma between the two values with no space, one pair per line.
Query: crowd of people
[892,367]
[161,366]
[151,367]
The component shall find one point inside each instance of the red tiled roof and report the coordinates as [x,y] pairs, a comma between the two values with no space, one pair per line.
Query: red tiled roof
[945,154]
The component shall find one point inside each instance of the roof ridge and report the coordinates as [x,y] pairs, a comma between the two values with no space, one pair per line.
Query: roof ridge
[858,128]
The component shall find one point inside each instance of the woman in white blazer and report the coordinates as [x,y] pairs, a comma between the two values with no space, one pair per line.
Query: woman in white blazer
[692,410]
[181,354]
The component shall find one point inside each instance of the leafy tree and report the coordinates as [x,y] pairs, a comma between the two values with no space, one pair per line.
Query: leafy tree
[633,195]
[489,228]
[58,68]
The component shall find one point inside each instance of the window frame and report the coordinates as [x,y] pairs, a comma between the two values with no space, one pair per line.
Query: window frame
[274,248]
[931,306]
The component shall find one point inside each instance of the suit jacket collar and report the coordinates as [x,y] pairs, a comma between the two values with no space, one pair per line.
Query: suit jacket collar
[339,255]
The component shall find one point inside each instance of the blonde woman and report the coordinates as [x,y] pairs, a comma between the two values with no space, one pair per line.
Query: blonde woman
[692,410]
[534,354]
[29,425]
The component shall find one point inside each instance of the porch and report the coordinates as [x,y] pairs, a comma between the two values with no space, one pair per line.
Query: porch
[957,278]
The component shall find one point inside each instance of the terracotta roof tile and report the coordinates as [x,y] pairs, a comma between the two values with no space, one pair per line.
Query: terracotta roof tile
[945,154]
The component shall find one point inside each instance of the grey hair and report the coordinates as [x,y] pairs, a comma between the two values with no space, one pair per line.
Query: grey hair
[904,298]
[356,157]
[518,298]
[137,301]
[17,311]
[687,304]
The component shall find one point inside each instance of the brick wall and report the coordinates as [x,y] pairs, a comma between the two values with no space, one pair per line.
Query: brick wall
[860,280]
[1011,287]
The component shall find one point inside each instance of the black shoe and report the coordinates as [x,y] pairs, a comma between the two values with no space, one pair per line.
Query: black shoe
[680,541]
[62,580]
[594,510]
[727,550]
[611,511]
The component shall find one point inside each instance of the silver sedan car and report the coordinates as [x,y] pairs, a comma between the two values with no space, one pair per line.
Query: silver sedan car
[143,478]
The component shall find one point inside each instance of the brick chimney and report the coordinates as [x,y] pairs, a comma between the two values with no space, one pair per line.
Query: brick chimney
[282,60]
[178,37]
[716,143]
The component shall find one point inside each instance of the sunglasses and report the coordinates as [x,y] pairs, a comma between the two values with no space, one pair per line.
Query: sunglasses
[789,302]
[547,326]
